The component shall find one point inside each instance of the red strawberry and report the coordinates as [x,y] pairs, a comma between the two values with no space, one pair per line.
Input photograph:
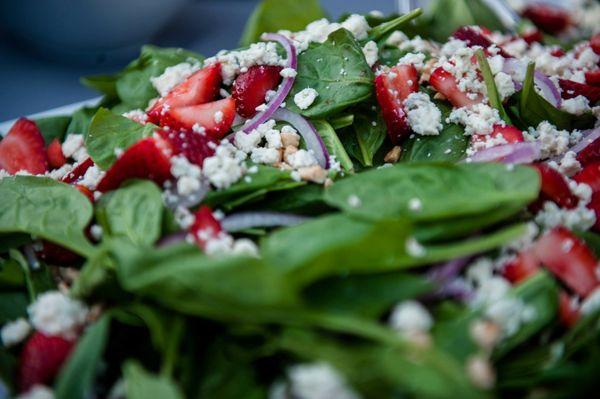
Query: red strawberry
[522,267]
[590,175]
[445,83]
[215,117]
[558,53]
[594,205]
[510,133]
[392,89]
[206,227]
[533,36]
[568,310]
[250,88]
[555,187]
[41,359]
[85,191]
[194,146]
[78,171]
[590,154]
[592,78]
[56,158]
[201,87]
[475,36]
[572,89]
[55,254]
[23,148]
[548,18]
[595,43]
[569,258]
[146,159]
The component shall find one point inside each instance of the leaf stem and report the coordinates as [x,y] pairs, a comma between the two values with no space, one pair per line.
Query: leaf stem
[379,31]
[488,77]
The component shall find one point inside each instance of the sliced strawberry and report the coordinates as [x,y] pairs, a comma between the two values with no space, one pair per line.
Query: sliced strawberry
[523,266]
[568,310]
[475,36]
[201,87]
[590,175]
[85,191]
[533,36]
[56,158]
[572,89]
[23,148]
[558,52]
[569,258]
[590,154]
[592,78]
[594,205]
[146,159]
[595,43]
[41,359]
[555,187]
[216,117]
[548,18]
[78,171]
[509,133]
[194,146]
[206,227]
[445,83]
[55,254]
[392,88]
[250,88]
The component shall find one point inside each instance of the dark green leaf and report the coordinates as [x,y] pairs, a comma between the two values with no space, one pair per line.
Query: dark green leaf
[105,84]
[387,27]
[446,16]
[490,83]
[140,384]
[53,127]
[370,132]
[13,304]
[81,119]
[449,146]
[333,144]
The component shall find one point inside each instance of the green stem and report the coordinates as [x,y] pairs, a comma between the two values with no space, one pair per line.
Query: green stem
[380,31]
[492,90]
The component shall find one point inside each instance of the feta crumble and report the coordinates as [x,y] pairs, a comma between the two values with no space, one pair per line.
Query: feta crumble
[505,85]
[410,317]
[371,52]
[305,98]
[288,73]
[224,168]
[318,381]
[14,332]
[423,116]
[577,106]
[54,313]
[478,119]
[416,59]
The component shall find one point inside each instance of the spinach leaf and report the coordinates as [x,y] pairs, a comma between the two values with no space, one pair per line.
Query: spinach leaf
[449,146]
[45,208]
[11,274]
[276,15]
[13,304]
[337,70]
[81,119]
[77,376]
[140,384]
[370,132]
[53,127]
[134,211]
[108,132]
[36,280]
[383,29]
[534,109]
[341,121]
[490,83]
[333,144]
[306,200]
[476,188]
[105,84]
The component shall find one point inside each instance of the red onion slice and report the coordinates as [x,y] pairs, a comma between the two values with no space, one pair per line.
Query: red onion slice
[589,136]
[514,153]
[284,87]
[247,220]
[548,88]
[311,137]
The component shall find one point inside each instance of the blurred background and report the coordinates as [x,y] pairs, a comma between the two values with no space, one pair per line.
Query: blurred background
[38,71]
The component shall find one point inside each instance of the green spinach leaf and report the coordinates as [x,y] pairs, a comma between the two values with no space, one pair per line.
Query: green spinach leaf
[140,384]
[333,144]
[446,16]
[81,120]
[490,83]
[449,146]
[53,127]
[370,132]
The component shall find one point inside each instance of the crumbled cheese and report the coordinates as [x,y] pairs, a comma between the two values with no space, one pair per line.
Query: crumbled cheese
[220,245]
[576,106]
[591,304]
[459,64]
[224,168]
[423,115]
[516,47]
[410,317]
[56,174]
[505,85]
[173,76]
[73,147]
[37,392]
[96,232]
[273,138]
[14,332]
[301,159]
[569,165]
[92,177]
[478,119]
[318,381]
[553,141]
[579,218]
[247,141]
[496,64]
[371,52]
[267,156]
[416,59]
[218,117]
[305,97]
[136,115]
[357,25]
[245,246]
[54,313]
[183,217]
[288,73]
[525,240]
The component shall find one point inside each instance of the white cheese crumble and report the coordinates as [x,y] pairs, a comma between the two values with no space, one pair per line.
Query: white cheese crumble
[247,141]
[579,218]
[173,76]
[577,106]
[305,97]
[371,52]
[357,25]
[54,313]
[224,168]
[423,116]
[591,304]
[553,141]
[318,381]
[14,332]
[301,159]
[569,165]
[505,85]
[410,317]
[136,115]
[478,119]
[96,232]
[416,59]
[37,392]
[73,147]
[92,177]
[288,73]
[268,156]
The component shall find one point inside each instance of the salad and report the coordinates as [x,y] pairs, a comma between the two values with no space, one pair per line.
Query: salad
[379,207]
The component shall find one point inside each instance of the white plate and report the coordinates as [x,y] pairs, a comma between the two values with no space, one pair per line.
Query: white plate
[64,110]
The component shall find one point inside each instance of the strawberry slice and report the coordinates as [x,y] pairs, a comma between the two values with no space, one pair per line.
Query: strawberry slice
[533,36]
[445,83]
[590,154]
[569,258]
[56,158]
[558,52]
[592,78]
[595,43]
[510,133]
[215,117]
[475,36]
[23,148]
[568,310]
[194,146]
[554,188]
[392,88]
[523,266]
[250,88]
[590,175]
[572,89]
[146,159]
[78,171]
[201,87]
[548,18]
[55,254]
[41,359]
[206,227]
[594,205]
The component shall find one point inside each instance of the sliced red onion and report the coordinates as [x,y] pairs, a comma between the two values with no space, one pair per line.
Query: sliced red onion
[548,88]
[444,276]
[589,136]
[247,220]
[284,87]
[311,137]
[172,239]
[447,271]
[514,153]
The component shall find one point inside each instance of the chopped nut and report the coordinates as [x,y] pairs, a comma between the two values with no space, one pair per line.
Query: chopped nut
[290,139]
[480,371]
[328,183]
[289,150]
[485,333]
[420,339]
[439,96]
[393,155]
[314,173]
